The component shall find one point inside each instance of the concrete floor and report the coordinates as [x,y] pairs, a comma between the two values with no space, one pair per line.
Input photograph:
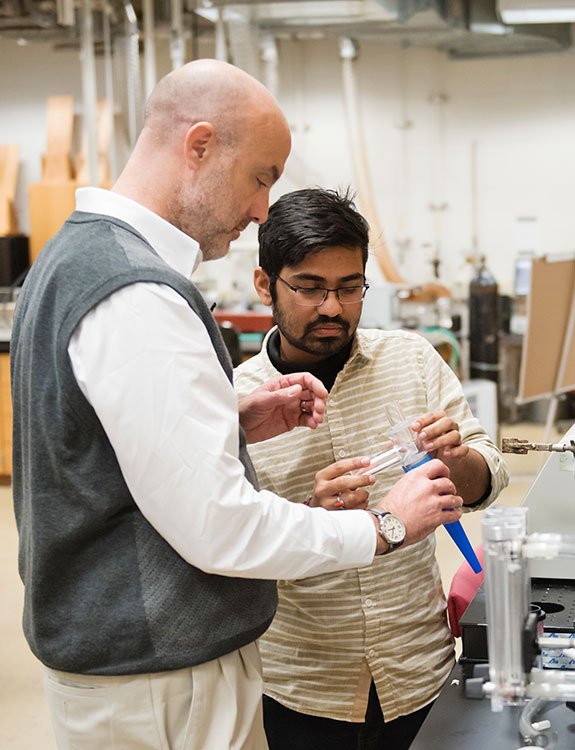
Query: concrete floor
[24,718]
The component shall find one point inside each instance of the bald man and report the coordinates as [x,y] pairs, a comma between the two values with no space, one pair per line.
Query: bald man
[147,552]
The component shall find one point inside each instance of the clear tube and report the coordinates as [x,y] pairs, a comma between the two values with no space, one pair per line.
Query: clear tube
[383,461]
[412,458]
[507,600]
[404,450]
[530,730]
[407,452]
[403,437]
[552,684]
[548,546]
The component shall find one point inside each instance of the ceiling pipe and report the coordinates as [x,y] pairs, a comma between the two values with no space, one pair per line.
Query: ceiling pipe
[149,46]
[349,52]
[65,12]
[134,92]
[177,42]
[89,96]
[221,43]
[270,59]
[109,88]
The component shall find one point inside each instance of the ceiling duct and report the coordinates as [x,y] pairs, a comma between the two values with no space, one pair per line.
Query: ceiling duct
[489,37]
[461,28]
[47,20]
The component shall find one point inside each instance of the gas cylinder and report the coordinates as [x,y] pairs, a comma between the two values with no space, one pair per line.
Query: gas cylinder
[483,325]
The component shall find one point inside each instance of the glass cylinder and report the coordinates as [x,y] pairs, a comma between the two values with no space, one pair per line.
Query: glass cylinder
[507,600]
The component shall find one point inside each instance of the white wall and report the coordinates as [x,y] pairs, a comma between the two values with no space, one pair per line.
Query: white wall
[519,113]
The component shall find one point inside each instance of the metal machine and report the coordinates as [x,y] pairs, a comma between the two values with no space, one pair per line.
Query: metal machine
[551,500]
[529,666]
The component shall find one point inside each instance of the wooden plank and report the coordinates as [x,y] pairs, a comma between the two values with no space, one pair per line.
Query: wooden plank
[9,165]
[548,359]
[104,134]
[49,206]
[5,419]
[56,165]
[5,368]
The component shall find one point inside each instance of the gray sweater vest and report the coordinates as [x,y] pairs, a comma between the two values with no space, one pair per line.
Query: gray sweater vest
[104,592]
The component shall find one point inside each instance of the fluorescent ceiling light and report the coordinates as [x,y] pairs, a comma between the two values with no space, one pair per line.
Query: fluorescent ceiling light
[536,11]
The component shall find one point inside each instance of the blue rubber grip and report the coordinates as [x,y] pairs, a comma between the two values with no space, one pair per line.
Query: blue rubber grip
[455,529]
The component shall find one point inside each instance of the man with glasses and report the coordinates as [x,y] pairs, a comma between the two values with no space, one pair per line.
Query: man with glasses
[354,659]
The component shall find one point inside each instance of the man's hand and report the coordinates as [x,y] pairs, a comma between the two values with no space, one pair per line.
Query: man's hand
[336,489]
[282,403]
[424,499]
[439,435]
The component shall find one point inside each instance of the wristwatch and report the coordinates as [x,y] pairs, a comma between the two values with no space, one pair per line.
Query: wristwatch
[391,528]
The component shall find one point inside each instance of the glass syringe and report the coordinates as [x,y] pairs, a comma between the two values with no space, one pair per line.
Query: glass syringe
[405,452]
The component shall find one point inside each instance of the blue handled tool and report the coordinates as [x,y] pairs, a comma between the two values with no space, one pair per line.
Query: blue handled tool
[454,529]
[404,451]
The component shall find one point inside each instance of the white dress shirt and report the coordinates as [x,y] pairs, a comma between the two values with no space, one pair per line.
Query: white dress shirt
[145,362]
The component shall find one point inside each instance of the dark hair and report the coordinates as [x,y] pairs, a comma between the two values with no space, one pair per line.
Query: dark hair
[308,221]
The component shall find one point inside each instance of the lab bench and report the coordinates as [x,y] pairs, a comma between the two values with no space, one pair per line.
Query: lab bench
[457,722]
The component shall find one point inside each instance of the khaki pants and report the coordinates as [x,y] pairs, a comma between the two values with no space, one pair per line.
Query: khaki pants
[214,706]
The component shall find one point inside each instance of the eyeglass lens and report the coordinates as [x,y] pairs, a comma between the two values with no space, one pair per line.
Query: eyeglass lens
[346,295]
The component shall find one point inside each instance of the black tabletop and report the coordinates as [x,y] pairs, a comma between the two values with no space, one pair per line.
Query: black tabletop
[459,723]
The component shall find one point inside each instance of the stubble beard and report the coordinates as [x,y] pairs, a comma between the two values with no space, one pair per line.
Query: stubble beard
[324,347]
[197,216]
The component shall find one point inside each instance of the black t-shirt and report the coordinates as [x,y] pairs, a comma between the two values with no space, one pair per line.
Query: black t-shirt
[326,370]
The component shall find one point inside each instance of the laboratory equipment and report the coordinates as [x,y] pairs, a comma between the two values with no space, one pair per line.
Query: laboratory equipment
[551,500]
[529,676]
[484,325]
[516,445]
[405,452]
[517,676]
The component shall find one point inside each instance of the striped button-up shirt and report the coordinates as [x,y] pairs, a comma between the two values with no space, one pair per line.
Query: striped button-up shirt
[334,633]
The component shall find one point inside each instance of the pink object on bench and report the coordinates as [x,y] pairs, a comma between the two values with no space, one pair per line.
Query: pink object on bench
[463,588]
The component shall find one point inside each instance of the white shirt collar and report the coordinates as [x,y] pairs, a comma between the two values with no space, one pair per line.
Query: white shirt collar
[174,247]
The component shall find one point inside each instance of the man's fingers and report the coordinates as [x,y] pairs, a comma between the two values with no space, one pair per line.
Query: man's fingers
[450,502]
[307,420]
[336,480]
[424,421]
[450,516]
[351,500]
[339,468]
[455,451]
[444,486]
[450,438]
[353,482]
[431,469]
[307,381]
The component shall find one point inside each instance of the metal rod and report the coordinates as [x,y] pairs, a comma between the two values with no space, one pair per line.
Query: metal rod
[90,107]
[109,88]
[177,44]
[545,641]
[149,47]
[517,445]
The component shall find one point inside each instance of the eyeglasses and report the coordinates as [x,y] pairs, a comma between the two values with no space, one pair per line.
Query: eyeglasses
[317,295]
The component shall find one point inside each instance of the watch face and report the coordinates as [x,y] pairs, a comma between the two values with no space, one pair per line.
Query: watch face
[393,528]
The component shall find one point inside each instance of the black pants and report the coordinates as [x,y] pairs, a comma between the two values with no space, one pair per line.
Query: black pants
[290,730]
